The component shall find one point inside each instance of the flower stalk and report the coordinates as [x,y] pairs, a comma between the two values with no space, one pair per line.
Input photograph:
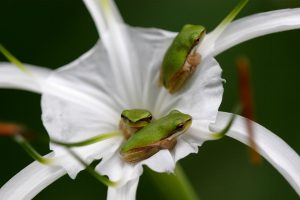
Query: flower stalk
[174,186]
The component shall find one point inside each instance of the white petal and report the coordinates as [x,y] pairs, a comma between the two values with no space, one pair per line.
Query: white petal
[151,44]
[162,161]
[13,78]
[30,181]
[82,105]
[189,142]
[79,103]
[257,25]
[184,148]
[270,146]
[118,170]
[126,192]
[202,96]
[123,58]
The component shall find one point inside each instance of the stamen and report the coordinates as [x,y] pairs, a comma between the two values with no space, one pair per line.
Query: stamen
[247,103]
[210,42]
[225,22]
[13,59]
[10,129]
[90,141]
[222,133]
[16,131]
[92,171]
[30,150]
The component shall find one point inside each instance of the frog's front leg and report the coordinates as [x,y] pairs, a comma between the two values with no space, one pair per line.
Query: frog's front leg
[189,67]
[127,130]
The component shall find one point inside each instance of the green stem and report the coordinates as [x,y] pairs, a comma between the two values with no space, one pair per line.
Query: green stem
[89,141]
[30,150]
[174,186]
[92,171]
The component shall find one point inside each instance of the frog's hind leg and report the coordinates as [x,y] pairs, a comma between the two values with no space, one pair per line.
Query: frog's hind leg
[139,154]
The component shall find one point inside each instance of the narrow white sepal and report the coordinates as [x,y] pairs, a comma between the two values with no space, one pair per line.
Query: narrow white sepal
[30,181]
[13,78]
[125,192]
[257,25]
[270,146]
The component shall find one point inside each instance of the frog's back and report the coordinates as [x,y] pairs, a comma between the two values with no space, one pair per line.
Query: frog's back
[178,51]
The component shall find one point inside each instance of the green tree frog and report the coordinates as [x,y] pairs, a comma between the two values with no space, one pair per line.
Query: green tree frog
[132,120]
[180,61]
[157,135]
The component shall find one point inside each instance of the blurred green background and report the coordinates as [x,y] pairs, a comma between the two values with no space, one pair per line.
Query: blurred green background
[52,33]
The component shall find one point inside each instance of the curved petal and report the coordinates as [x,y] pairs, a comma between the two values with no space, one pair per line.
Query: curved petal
[126,192]
[257,25]
[270,146]
[30,181]
[13,78]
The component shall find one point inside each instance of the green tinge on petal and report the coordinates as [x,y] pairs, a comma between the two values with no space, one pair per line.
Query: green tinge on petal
[31,151]
[90,141]
[13,59]
[105,4]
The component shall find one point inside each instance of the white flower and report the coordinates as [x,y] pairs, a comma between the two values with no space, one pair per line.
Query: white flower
[86,97]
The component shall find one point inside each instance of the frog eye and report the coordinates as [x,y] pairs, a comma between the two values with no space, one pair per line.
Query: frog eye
[180,126]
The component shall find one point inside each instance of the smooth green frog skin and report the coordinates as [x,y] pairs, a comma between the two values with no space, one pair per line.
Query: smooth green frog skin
[180,62]
[133,120]
[159,134]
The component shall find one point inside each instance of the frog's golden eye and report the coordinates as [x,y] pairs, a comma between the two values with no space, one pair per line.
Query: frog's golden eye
[180,126]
